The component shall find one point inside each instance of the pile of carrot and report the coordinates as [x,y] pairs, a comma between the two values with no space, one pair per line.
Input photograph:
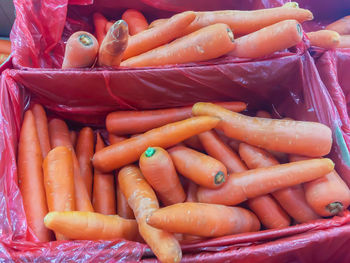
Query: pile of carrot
[171,176]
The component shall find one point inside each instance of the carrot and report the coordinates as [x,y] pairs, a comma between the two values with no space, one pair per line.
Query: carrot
[207,43]
[113,139]
[200,168]
[159,171]
[158,36]
[131,122]
[3,57]
[59,136]
[81,50]
[100,24]
[91,226]
[292,199]
[143,202]
[123,208]
[136,21]
[308,138]
[328,195]
[30,178]
[109,24]
[342,26]
[263,114]
[103,199]
[59,181]
[42,128]
[249,184]
[113,45]
[157,22]
[192,192]
[268,40]
[73,138]
[327,39]
[344,41]
[130,150]
[194,143]
[5,46]
[206,220]
[217,149]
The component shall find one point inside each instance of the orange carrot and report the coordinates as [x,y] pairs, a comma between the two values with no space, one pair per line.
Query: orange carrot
[42,128]
[249,184]
[59,136]
[292,199]
[207,43]
[73,138]
[192,192]
[263,114]
[136,21]
[5,46]
[194,143]
[59,181]
[158,36]
[113,45]
[307,138]
[344,41]
[103,192]
[91,226]
[3,57]
[206,220]
[30,178]
[100,24]
[109,24]
[200,168]
[131,122]
[157,22]
[342,26]
[217,149]
[123,208]
[268,40]
[113,139]
[327,39]
[159,171]
[143,202]
[81,50]
[130,150]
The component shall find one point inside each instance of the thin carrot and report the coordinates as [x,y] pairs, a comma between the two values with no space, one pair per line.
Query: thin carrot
[81,50]
[242,186]
[217,149]
[158,36]
[207,43]
[327,39]
[59,136]
[73,137]
[157,22]
[100,24]
[59,181]
[206,220]
[194,143]
[342,26]
[113,45]
[192,192]
[5,46]
[136,21]
[123,208]
[292,199]
[268,40]
[30,178]
[128,151]
[91,226]
[307,138]
[131,122]
[143,202]
[263,114]
[42,128]
[113,139]
[344,41]
[159,171]
[103,199]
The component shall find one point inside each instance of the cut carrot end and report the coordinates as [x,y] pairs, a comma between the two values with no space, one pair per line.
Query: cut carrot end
[85,40]
[219,178]
[335,208]
[150,152]
[300,31]
[230,34]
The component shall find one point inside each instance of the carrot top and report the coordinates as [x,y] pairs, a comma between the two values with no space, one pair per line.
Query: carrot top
[150,152]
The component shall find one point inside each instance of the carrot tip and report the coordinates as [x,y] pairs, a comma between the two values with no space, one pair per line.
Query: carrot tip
[335,207]
[86,40]
[219,178]
[150,152]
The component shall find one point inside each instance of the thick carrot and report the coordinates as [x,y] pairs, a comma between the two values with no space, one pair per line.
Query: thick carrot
[59,181]
[59,136]
[73,138]
[194,143]
[136,21]
[299,137]
[123,208]
[30,178]
[5,46]
[157,22]
[328,195]
[113,139]
[42,128]
[131,122]
[292,199]
[158,36]
[263,114]
[342,26]
[217,149]
[206,220]
[242,186]
[207,43]
[91,226]
[268,40]
[81,50]
[159,171]
[327,39]
[143,202]
[113,45]
[344,41]
[192,192]
[100,24]
[130,150]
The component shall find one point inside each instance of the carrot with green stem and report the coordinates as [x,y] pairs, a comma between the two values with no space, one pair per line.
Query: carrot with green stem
[130,150]
[342,26]
[143,202]
[207,43]
[100,24]
[136,21]
[327,39]
[42,128]
[299,137]
[123,208]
